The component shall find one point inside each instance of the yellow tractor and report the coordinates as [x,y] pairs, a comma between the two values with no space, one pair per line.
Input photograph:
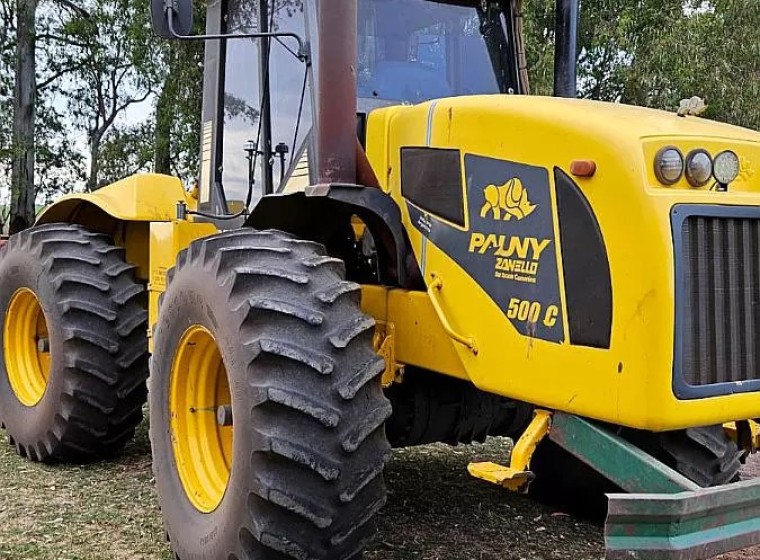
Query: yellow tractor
[391,244]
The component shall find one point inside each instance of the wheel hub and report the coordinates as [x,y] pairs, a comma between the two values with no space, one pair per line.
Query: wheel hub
[201,419]
[26,347]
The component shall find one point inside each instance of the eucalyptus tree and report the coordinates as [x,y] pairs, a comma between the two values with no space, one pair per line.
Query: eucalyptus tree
[34,149]
[22,203]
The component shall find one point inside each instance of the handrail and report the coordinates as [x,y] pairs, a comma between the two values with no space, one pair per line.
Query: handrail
[433,288]
[302,54]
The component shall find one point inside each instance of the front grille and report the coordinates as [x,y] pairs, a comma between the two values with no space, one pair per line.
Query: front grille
[718,300]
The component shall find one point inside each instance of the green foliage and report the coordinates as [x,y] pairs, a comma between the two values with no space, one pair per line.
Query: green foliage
[179,73]
[126,150]
[656,52]
[99,70]
[113,99]
[59,164]
[714,52]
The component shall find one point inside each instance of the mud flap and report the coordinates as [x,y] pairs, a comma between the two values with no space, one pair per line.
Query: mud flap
[691,525]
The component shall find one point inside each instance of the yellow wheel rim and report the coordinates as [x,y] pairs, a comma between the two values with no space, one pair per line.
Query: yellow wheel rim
[199,398]
[26,347]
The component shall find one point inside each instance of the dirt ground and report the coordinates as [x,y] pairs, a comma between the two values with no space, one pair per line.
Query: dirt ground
[436,511]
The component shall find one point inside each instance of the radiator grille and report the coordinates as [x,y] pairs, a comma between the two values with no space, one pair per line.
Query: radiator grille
[720,303]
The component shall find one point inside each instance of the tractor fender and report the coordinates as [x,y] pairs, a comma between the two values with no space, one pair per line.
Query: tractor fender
[139,198]
[124,210]
[324,214]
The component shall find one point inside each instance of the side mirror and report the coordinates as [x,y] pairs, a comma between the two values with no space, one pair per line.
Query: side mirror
[172,19]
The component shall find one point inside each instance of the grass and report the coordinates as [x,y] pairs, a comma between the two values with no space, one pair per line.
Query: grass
[102,511]
[109,511]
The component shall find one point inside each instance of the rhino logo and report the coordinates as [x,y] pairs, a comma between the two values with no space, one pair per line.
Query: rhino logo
[510,198]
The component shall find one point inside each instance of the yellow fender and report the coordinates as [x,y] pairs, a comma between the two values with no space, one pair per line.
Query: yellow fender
[124,210]
[139,198]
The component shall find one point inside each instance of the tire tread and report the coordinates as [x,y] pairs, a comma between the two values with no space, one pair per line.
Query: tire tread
[104,350]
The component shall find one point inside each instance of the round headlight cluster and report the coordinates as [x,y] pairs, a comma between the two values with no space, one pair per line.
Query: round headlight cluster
[698,167]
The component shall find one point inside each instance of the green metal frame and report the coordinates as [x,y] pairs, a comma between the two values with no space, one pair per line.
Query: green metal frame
[683,526]
[616,459]
[666,516]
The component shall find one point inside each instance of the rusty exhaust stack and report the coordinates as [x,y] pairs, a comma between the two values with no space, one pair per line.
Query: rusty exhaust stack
[336,118]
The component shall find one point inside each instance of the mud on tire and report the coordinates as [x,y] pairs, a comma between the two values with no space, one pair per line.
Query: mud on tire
[98,360]
[309,445]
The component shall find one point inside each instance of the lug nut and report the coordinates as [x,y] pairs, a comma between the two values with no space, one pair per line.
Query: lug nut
[224,415]
[43,345]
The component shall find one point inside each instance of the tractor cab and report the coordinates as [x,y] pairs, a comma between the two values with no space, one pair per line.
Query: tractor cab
[260,96]
[410,52]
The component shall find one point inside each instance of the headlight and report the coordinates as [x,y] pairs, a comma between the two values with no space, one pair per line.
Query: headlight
[668,165]
[726,167]
[699,168]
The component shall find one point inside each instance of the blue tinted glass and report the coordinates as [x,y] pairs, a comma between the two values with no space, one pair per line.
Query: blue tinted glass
[416,50]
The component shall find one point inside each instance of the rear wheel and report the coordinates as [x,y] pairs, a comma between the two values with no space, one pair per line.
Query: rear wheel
[705,455]
[74,348]
[266,408]
[430,408]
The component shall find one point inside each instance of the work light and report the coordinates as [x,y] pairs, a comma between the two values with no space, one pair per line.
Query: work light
[726,167]
[668,165]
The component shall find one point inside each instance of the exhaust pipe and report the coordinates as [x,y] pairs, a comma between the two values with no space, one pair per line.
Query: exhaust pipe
[566,48]
[336,112]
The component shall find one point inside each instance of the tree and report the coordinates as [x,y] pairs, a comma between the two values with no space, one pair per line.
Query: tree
[22,210]
[35,150]
[179,103]
[107,53]
[126,150]
[655,52]
[714,52]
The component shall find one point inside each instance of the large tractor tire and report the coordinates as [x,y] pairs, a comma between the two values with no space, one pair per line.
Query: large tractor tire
[266,409]
[705,455]
[431,408]
[74,345]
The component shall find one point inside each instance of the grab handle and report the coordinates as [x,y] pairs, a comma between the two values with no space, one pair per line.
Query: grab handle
[433,291]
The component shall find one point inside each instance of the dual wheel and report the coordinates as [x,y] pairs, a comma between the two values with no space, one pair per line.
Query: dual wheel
[266,412]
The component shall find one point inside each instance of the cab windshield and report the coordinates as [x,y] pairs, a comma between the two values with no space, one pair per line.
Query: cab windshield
[417,50]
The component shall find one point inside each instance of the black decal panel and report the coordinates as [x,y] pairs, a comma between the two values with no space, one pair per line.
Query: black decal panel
[432,179]
[588,282]
[510,248]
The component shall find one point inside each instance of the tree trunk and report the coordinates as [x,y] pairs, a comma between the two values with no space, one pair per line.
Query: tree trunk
[22,176]
[164,116]
[92,180]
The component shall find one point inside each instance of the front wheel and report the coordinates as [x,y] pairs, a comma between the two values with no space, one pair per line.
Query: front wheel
[266,409]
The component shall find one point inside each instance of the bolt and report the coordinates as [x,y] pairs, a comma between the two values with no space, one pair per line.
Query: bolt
[43,345]
[224,415]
